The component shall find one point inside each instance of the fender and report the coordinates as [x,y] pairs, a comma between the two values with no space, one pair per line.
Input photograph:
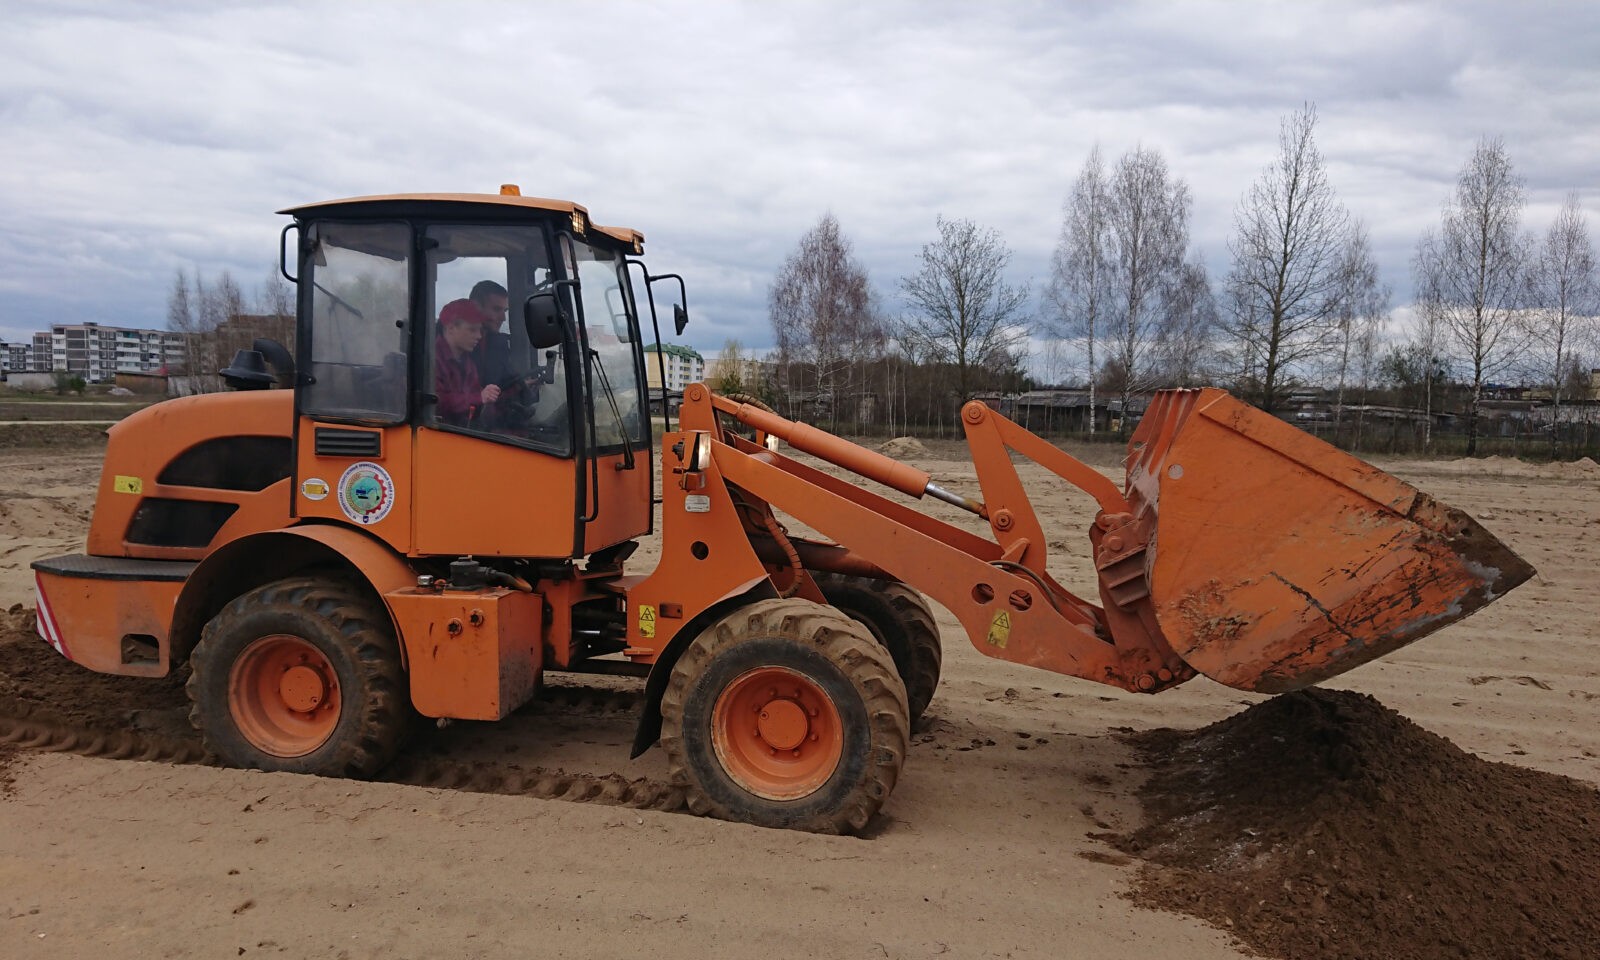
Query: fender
[649,729]
[248,562]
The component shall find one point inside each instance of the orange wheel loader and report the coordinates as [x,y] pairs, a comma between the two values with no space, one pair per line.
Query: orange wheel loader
[364,531]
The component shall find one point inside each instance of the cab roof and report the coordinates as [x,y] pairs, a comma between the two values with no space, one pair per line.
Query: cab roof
[491,205]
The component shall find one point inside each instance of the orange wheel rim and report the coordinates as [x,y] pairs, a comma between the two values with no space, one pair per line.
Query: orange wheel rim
[284,696]
[777,733]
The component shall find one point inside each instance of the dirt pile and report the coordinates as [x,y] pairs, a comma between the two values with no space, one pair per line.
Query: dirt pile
[1322,824]
[1579,470]
[903,448]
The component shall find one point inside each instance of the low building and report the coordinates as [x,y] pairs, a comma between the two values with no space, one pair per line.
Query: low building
[151,384]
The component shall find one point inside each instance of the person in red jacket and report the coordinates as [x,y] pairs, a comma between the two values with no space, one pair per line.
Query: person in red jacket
[463,397]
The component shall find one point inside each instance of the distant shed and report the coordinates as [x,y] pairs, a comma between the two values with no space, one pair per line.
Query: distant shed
[143,384]
[30,382]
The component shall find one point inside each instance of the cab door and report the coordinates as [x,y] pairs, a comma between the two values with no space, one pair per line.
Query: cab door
[353,442]
[500,478]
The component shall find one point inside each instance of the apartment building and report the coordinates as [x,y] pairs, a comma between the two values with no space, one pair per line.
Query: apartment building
[94,352]
[16,357]
[684,366]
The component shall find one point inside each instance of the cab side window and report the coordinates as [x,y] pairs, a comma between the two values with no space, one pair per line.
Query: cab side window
[486,380]
[355,344]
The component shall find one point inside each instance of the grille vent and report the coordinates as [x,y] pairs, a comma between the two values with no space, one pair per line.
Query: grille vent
[333,442]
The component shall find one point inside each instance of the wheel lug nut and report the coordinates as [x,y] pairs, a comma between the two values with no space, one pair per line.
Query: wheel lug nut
[796,752]
[813,738]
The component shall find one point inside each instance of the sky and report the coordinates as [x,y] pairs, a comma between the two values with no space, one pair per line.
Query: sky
[137,140]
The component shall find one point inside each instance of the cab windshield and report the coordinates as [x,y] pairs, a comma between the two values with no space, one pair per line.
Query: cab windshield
[607,312]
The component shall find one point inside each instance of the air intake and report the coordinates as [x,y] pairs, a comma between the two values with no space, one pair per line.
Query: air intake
[333,442]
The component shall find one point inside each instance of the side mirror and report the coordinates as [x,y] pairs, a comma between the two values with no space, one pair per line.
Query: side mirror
[277,357]
[680,318]
[247,372]
[541,314]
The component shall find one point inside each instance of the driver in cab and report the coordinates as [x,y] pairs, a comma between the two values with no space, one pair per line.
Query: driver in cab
[463,397]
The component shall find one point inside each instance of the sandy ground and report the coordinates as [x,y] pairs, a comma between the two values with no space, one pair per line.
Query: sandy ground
[983,850]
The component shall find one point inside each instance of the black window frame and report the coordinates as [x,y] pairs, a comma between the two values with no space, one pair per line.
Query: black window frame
[424,402]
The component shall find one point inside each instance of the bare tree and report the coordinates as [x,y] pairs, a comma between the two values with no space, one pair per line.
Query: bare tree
[822,315]
[1424,352]
[1079,293]
[1362,305]
[967,314]
[1185,340]
[730,368]
[1368,362]
[276,296]
[183,317]
[1149,212]
[1564,294]
[1285,286]
[180,306]
[1469,275]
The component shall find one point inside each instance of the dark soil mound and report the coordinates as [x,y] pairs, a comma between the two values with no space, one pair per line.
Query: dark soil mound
[35,679]
[1322,824]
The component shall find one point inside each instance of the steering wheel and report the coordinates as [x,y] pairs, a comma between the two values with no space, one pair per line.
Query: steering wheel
[514,409]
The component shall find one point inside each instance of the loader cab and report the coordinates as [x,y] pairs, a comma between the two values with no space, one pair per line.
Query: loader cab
[471,375]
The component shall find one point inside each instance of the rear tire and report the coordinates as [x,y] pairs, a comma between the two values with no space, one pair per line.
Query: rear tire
[301,675]
[900,620]
[786,714]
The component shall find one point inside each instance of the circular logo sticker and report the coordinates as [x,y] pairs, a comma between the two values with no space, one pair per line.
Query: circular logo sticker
[315,488]
[366,493]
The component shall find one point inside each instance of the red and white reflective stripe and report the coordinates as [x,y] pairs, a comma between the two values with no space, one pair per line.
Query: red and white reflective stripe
[47,621]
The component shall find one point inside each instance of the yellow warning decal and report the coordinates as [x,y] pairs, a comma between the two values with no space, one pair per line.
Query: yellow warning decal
[647,621]
[128,484]
[1000,629]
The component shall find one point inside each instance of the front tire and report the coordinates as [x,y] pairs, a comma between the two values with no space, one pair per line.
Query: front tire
[786,714]
[301,675]
[900,620]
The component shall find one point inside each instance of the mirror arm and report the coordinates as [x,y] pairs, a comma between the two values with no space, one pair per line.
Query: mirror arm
[655,326]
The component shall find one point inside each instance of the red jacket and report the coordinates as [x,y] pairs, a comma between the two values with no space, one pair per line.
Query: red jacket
[455,380]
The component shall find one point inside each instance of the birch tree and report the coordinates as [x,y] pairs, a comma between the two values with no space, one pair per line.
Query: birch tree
[182,318]
[1362,306]
[1149,217]
[1079,293]
[1285,285]
[1470,274]
[822,315]
[1564,296]
[1185,342]
[965,314]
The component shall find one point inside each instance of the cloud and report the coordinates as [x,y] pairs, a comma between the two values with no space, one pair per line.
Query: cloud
[142,139]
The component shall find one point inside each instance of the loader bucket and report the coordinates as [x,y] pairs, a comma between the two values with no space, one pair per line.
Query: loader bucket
[1278,561]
